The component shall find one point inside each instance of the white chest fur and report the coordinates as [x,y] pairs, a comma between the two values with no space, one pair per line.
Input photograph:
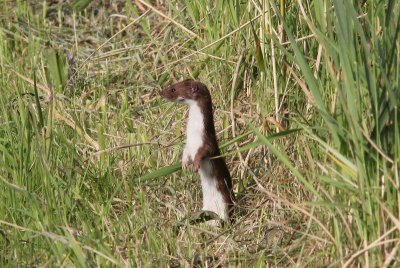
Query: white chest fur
[212,198]
[195,129]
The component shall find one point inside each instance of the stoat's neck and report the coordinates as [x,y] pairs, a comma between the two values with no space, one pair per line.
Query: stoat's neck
[195,119]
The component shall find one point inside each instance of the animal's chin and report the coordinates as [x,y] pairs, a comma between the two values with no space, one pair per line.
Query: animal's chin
[179,100]
[167,98]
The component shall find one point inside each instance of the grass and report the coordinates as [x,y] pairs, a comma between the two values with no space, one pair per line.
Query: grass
[306,97]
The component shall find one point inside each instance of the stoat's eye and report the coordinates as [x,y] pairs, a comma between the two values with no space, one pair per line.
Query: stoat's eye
[173,89]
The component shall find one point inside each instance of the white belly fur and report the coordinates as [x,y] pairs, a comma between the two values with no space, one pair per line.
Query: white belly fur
[212,198]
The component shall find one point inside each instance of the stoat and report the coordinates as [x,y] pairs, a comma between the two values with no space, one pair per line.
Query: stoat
[202,147]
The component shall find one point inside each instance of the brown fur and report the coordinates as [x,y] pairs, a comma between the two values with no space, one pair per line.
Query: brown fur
[197,91]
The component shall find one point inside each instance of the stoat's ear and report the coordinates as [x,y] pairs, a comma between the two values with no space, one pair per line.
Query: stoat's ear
[194,88]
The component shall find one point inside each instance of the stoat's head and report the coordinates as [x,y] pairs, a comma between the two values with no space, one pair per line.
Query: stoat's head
[186,92]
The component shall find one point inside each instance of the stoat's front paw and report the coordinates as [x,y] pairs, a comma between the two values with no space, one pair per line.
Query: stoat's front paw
[185,161]
[196,166]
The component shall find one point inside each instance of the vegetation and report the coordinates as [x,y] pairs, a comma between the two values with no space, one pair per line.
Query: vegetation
[306,97]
